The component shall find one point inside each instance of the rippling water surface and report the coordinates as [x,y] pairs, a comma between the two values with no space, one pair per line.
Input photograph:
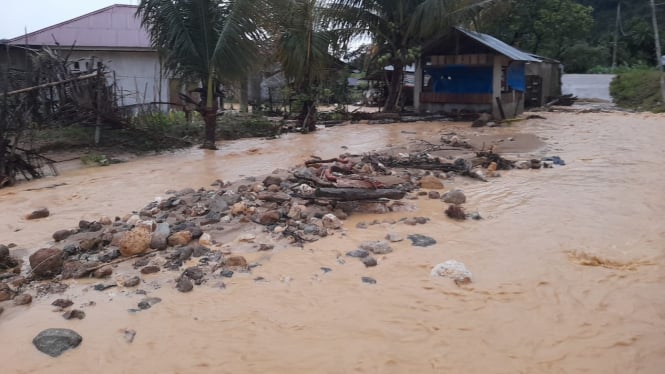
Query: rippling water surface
[568,267]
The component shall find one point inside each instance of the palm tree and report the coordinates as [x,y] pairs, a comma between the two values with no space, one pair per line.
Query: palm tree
[205,41]
[398,28]
[303,51]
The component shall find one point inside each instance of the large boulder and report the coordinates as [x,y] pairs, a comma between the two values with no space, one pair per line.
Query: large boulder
[46,262]
[456,197]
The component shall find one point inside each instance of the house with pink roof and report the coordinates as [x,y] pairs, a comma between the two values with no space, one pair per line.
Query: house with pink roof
[114,36]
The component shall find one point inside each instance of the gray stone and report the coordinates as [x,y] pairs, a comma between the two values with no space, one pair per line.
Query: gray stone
[226,273]
[61,235]
[379,247]
[23,299]
[358,253]
[394,237]
[62,303]
[132,281]
[454,197]
[454,270]
[147,303]
[418,240]
[39,213]
[54,342]
[74,313]
[369,261]
[368,280]
[194,273]
[184,285]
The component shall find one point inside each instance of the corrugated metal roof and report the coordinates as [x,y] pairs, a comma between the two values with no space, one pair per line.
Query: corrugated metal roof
[499,46]
[112,27]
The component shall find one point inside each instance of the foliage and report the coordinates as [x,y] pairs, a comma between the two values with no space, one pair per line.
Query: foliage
[243,125]
[581,57]
[638,89]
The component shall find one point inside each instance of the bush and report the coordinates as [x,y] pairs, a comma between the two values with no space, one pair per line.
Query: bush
[244,125]
[638,89]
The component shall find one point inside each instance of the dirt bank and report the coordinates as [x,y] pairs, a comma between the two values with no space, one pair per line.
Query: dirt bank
[567,264]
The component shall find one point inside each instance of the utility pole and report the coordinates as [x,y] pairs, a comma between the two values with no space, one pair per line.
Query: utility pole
[659,54]
[616,37]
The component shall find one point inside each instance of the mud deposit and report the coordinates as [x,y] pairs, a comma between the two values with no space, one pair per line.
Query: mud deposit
[568,265]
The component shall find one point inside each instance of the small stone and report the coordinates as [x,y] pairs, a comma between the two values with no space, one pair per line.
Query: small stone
[394,237]
[184,285]
[272,180]
[236,261]
[456,197]
[475,216]
[90,244]
[105,220]
[266,247]
[194,273]
[159,241]
[270,217]
[205,240]
[523,165]
[430,182]
[54,342]
[368,280]
[23,299]
[200,251]
[418,240]
[61,235]
[330,221]
[421,220]
[4,252]
[379,247]
[103,272]
[456,212]
[131,281]
[129,335]
[62,303]
[39,213]
[454,270]
[369,261]
[361,225]
[247,238]
[74,313]
[358,253]
[434,195]
[147,303]
[180,238]
[151,269]
[325,270]
[132,220]
[5,292]
[46,262]
[226,273]
[135,242]
[239,208]
[103,286]
[411,221]
[195,231]
[535,164]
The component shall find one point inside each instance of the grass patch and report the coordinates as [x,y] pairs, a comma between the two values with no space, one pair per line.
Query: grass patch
[246,125]
[638,89]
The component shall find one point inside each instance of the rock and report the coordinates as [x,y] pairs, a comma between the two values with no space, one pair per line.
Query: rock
[272,179]
[456,197]
[200,251]
[131,281]
[159,241]
[277,197]
[297,211]
[218,205]
[1,310]
[61,235]
[394,238]
[205,240]
[54,342]
[358,253]
[151,269]
[194,273]
[368,280]
[247,238]
[236,261]
[4,252]
[430,182]
[482,120]
[135,242]
[434,195]
[129,335]
[274,188]
[330,221]
[475,216]
[62,303]
[147,303]
[46,262]
[418,240]
[90,244]
[266,247]
[133,220]
[456,212]
[103,272]
[195,231]
[239,208]
[77,269]
[411,221]
[369,261]
[184,285]
[454,270]
[39,213]
[535,164]
[270,217]
[74,313]
[325,269]
[180,238]
[523,165]
[23,299]
[226,273]
[379,247]
[5,292]
[103,287]
[106,221]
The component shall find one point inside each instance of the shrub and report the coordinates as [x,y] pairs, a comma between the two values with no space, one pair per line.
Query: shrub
[638,89]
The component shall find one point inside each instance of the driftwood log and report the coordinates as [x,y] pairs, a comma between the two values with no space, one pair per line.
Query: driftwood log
[351,194]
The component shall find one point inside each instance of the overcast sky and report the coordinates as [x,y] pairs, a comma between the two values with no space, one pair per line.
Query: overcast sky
[17,15]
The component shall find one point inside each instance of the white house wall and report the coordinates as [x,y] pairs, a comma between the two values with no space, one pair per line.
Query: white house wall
[138,75]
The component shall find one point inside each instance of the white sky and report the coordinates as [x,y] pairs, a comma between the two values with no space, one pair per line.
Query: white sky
[17,15]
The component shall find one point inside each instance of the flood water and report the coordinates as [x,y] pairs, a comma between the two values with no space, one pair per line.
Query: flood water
[568,267]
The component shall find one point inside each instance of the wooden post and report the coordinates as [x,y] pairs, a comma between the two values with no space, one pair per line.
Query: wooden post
[98,124]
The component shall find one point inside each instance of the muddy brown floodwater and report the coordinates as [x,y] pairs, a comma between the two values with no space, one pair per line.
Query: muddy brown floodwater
[568,267]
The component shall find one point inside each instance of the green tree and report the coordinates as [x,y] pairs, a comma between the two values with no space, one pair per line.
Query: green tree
[546,27]
[205,41]
[398,28]
[303,50]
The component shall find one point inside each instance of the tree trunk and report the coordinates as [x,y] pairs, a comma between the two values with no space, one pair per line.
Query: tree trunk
[659,54]
[244,95]
[308,116]
[394,88]
[210,119]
